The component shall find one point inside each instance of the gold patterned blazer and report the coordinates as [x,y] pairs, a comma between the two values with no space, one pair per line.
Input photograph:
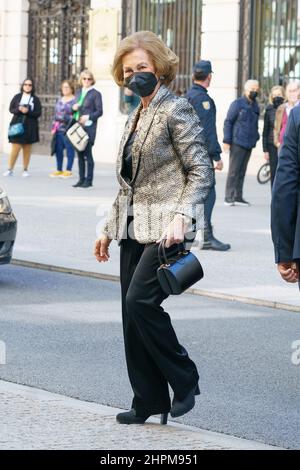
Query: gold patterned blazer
[171,169]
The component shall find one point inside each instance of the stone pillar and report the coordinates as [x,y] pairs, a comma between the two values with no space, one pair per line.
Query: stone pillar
[220,44]
[13,58]
[104,33]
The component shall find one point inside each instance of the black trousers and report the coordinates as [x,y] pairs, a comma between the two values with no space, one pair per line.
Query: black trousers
[238,162]
[153,354]
[86,164]
[273,154]
[209,206]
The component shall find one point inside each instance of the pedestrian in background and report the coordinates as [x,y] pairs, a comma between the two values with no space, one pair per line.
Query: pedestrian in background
[285,207]
[240,137]
[87,110]
[26,109]
[63,116]
[205,108]
[292,93]
[165,174]
[276,98]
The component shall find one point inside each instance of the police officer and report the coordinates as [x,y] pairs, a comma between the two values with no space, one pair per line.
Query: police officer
[206,110]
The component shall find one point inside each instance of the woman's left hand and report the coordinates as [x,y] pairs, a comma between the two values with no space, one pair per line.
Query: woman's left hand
[175,231]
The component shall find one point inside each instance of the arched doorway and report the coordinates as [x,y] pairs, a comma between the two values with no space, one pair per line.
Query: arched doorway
[57,50]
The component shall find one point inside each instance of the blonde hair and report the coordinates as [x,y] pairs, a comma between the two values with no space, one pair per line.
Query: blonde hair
[164,60]
[276,88]
[89,73]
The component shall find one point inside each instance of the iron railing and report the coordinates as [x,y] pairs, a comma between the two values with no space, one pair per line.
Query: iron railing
[177,22]
[269,42]
[57,50]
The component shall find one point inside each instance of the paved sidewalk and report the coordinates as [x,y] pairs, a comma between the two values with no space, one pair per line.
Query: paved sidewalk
[36,419]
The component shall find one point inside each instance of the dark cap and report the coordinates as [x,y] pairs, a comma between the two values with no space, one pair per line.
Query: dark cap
[203,66]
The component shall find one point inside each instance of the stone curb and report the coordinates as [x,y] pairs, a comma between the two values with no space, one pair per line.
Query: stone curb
[194,291]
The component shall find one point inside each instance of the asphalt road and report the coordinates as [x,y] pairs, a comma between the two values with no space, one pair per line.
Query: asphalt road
[63,334]
[57,226]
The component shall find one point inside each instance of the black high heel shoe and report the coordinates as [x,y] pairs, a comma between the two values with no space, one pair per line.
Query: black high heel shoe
[181,407]
[130,417]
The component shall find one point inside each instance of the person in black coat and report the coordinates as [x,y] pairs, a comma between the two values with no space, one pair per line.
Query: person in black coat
[276,98]
[26,108]
[285,207]
[88,109]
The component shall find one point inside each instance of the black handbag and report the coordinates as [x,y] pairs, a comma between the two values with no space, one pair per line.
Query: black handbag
[177,274]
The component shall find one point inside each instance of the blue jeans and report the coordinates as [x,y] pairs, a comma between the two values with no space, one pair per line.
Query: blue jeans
[62,143]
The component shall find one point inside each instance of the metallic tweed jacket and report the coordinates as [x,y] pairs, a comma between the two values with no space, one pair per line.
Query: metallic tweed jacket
[171,169]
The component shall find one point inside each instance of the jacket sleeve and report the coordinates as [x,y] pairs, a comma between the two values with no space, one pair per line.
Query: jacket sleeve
[231,117]
[266,131]
[285,194]
[14,105]
[110,226]
[188,140]
[37,111]
[214,148]
[98,108]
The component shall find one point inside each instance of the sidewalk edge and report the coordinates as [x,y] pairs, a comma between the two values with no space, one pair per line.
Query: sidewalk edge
[193,291]
[238,443]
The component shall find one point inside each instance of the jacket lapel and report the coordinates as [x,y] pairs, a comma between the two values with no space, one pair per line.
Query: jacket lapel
[129,128]
[146,121]
[147,118]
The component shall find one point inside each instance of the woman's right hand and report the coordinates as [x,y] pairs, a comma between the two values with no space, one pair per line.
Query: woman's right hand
[75,107]
[267,156]
[101,251]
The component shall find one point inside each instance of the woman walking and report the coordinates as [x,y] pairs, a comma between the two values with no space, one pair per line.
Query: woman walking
[164,172]
[26,109]
[63,115]
[276,99]
[88,109]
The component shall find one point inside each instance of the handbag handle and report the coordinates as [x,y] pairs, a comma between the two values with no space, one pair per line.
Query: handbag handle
[162,257]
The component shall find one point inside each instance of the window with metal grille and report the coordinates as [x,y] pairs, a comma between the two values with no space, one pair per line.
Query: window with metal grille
[274,46]
[177,22]
[57,50]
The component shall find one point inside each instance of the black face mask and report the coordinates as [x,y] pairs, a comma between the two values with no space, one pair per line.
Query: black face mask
[141,83]
[253,95]
[277,101]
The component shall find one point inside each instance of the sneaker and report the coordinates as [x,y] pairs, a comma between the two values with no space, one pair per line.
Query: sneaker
[56,174]
[241,202]
[25,174]
[66,174]
[8,173]
[229,202]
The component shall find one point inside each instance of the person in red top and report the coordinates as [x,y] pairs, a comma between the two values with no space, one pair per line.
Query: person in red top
[283,111]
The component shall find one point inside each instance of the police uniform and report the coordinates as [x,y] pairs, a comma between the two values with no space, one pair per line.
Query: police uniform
[205,107]
[206,110]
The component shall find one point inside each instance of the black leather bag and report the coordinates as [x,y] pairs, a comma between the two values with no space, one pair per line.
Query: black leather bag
[177,274]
